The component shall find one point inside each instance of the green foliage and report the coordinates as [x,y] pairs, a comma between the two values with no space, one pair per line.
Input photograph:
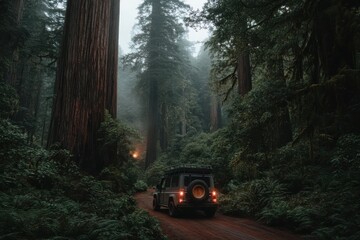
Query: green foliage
[203,148]
[12,36]
[113,132]
[141,186]
[307,197]
[248,199]
[346,155]
[155,172]
[197,150]
[45,196]
[141,226]
[11,142]
[280,213]
[122,174]
[8,101]
[122,178]
[30,35]
[316,198]
[29,216]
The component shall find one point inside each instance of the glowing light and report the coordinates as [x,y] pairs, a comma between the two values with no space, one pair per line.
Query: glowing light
[135,155]
[181,193]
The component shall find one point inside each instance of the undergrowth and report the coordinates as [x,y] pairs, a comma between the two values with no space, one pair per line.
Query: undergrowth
[319,202]
[44,195]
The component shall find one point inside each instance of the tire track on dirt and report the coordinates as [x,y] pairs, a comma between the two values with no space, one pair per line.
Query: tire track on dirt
[198,227]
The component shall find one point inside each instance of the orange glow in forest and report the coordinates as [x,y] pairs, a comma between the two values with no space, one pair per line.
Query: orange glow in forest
[135,155]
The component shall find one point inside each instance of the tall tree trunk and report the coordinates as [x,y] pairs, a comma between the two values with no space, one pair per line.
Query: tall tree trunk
[86,79]
[244,73]
[152,78]
[164,136]
[110,152]
[35,106]
[282,124]
[152,132]
[215,114]
[298,74]
[17,10]
[113,58]
[335,34]
[183,122]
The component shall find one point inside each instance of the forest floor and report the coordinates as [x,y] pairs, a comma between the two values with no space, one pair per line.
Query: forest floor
[197,226]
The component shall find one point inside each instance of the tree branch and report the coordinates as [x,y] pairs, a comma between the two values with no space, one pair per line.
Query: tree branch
[223,81]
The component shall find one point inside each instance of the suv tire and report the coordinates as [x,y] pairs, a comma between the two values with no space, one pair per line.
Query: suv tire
[173,211]
[198,186]
[155,204]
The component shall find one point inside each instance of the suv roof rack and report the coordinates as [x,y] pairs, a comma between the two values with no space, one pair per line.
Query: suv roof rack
[189,168]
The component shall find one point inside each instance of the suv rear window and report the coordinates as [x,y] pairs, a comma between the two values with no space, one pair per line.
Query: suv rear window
[188,180]
[175,181]
[167,182]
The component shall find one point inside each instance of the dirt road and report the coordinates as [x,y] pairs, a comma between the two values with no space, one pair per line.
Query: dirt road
[197,226]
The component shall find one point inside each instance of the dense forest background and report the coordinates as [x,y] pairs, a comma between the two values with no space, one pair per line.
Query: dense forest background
[271,102]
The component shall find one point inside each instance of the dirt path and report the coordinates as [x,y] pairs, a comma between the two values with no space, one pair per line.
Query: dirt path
[197,226]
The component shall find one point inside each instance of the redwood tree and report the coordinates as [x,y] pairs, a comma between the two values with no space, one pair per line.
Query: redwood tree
[86,79]
[158,54]
[18,6]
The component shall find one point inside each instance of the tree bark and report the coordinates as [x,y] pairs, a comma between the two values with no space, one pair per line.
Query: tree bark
[86,79]
[215,114]
[152,78]
[164,128]
[244,73]
[183,122]
[152,132]
[282,124]
[17,13]
[113,58]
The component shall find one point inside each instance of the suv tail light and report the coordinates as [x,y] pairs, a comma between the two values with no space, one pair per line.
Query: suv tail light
[214,195]
[181,196]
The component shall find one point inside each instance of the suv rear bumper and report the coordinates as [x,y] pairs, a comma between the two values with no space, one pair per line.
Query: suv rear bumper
[203,205]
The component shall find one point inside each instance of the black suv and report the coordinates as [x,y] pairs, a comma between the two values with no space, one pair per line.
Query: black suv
[189,187]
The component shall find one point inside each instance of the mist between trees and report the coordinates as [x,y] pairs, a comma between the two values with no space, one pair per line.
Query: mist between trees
[271,102]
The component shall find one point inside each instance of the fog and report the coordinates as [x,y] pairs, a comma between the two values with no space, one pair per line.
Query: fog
[128,15]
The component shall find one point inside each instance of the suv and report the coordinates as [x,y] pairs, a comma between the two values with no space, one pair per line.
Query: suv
[186,187]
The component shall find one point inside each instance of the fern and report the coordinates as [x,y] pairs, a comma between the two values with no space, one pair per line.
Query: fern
[108,229]
[251,197]
[44,196]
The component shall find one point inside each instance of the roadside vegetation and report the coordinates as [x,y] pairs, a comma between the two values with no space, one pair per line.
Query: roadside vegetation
[283,187]
[44,195]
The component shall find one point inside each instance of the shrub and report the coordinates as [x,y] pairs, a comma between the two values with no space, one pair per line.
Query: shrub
[250,198]
[121,179]
[9,102]
[141,186]
[280,213]
[141,226]
[45,196]
[112,133]
[346,155]
[154,173]
[12,143]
